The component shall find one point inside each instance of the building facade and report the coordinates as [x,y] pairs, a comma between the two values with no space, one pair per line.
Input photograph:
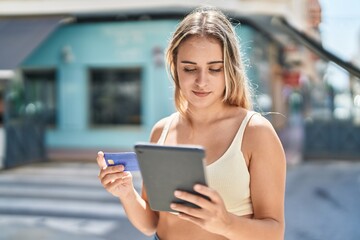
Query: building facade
[103,85]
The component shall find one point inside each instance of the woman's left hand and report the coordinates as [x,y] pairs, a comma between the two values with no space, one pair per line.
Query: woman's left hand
[212,214]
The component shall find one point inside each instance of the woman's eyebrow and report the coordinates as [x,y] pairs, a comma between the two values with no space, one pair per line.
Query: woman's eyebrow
[188,62]
[212,62]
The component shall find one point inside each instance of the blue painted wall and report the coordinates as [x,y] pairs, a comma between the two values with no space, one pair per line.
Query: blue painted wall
[111,44]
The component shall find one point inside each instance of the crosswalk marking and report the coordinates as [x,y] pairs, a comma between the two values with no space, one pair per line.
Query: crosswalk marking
[72,225]
[58,189]
[61,200]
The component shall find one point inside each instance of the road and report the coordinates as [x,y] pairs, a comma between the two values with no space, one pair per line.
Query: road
[60,200]
[64,200]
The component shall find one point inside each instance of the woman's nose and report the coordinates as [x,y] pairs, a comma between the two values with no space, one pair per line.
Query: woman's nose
[201,79]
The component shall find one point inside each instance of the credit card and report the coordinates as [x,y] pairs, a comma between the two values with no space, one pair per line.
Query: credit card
[127,159]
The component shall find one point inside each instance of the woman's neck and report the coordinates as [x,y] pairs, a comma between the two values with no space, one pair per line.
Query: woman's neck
[206,116]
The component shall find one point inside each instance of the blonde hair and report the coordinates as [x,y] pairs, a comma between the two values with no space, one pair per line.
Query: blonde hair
[210,22]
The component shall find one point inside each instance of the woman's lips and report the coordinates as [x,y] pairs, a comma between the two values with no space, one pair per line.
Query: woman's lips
[201,94]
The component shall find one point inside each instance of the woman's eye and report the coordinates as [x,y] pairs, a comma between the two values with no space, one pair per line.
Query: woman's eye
[189,69]
[215,69]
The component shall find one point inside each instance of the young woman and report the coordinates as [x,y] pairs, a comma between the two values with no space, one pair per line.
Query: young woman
[245,160]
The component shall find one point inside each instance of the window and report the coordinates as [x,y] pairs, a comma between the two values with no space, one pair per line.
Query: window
[115,97]
[40,95]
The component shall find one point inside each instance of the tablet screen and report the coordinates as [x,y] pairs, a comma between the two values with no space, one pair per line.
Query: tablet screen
[165,169]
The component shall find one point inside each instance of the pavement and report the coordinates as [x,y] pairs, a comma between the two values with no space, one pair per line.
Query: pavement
[64,200]
[323,201]
[61,200]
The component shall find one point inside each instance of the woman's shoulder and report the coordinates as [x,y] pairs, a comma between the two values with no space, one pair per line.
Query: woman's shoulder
[158,128]
[259,128]
[261,140]
[258,120]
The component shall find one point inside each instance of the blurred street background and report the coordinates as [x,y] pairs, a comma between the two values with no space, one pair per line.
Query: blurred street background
[77,78]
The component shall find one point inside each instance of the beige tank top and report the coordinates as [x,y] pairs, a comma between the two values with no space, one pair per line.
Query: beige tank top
[228,175]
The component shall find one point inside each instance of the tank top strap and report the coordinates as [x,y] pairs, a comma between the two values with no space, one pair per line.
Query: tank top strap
[166,128]
[240,134]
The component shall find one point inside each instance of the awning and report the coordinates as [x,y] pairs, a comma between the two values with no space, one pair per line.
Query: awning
[317,48]
[20,36]
[272,26]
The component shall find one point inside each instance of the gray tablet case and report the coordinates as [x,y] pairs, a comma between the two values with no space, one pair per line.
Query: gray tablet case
[167,168]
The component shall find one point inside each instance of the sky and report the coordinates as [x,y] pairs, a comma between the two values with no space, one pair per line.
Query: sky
[340,27]
[340,33]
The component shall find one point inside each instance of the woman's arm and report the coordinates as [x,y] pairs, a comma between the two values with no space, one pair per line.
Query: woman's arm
[139,213]
[119,183]
[267,167]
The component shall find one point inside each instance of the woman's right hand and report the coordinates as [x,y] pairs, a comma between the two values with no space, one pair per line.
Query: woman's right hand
[114,179]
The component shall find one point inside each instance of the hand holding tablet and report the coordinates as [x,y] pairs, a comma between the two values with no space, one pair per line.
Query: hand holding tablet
[165,169]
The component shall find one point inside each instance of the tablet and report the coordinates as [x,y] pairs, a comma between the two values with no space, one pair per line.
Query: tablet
[165,169]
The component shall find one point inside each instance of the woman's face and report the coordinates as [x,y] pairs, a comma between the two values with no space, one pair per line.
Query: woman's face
[200,68]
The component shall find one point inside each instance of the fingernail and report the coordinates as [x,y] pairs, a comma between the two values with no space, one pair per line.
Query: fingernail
[177,193]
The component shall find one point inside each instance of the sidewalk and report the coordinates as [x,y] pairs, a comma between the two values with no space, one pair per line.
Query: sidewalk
[322,201]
